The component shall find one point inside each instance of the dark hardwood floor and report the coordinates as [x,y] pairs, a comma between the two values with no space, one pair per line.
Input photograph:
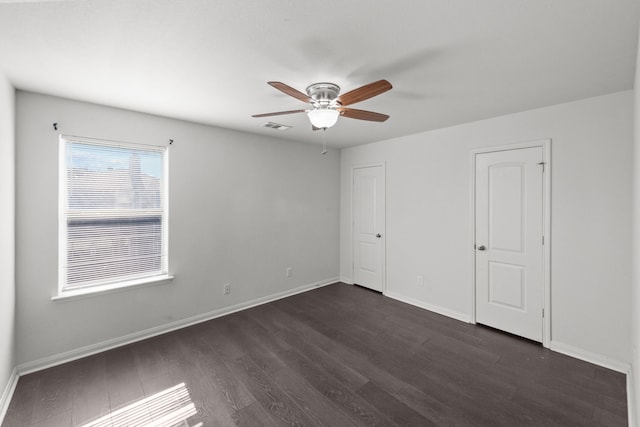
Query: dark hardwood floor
[336,356]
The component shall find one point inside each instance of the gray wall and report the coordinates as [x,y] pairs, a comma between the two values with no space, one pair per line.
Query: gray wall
[429,210]
[7,232]
[634,390]
[243,208]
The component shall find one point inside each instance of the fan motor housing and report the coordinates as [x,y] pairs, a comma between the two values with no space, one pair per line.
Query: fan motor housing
[323,93]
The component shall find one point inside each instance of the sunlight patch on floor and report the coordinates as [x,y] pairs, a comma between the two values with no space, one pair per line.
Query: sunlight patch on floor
[168,408]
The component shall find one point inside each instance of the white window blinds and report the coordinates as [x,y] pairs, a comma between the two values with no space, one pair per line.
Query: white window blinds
[113,222]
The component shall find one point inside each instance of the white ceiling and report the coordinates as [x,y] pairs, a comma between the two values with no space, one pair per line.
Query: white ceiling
[450,61]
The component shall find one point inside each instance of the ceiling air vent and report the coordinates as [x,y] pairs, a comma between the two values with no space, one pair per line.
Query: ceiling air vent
[276,126]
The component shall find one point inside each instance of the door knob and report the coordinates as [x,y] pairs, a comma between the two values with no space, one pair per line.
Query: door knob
[378,235]
[481,248]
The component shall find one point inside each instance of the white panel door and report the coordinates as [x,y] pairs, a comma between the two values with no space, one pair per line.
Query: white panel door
[509,241]
[368,223]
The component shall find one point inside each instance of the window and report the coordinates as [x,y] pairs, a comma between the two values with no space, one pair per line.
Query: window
[113,214]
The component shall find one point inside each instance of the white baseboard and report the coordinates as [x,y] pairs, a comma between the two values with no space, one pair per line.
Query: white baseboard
[631,399]
[440,310]
[346,280]
[7,394]
[587,356]
[79,353]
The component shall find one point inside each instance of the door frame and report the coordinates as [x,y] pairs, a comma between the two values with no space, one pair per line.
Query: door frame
[383,240]
[546,227]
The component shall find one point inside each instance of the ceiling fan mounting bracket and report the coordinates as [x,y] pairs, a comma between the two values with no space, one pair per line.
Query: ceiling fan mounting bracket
[323,94]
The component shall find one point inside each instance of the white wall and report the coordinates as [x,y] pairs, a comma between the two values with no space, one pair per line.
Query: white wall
[243,208]
[7,233]
[428,217]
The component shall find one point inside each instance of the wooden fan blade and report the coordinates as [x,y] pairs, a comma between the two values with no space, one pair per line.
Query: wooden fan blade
[279,113]
[352,113]
[364,92]
[291,91]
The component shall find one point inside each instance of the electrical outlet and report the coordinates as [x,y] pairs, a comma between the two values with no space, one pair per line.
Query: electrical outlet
[227,289]
[420,280]
[289,272]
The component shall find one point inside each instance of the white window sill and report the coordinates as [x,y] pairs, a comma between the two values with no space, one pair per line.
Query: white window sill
[110,288]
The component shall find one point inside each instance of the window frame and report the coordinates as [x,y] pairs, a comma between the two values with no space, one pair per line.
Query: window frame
[106,286]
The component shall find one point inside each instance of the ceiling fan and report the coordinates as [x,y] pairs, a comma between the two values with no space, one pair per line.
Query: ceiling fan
[327,103]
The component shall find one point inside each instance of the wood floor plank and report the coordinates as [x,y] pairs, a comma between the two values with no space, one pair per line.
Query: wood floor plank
[353,328]
[217,333]
[210,365]
[451,405]
[181,361]
[310,400]
[432,407]
[90,398]
[254,415]
[54,395]
[237,329]
[604,418]
[341,372]
[292,327]
[392,408]
[543,403]
[339,355]
[481,380]
[277,403]
[446,348]
[123,381]
[355,406]
[62,419]
[211,405]
[611,384]
[593,395]
[24,400]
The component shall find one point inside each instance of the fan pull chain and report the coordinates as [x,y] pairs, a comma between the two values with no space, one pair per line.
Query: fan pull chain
[324,142]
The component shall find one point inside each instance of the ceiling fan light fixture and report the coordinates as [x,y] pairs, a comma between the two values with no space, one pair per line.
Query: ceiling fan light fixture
[323,117]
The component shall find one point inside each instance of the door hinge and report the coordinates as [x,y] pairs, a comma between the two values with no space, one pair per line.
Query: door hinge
[543,313]
[542,164]
[543,240]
